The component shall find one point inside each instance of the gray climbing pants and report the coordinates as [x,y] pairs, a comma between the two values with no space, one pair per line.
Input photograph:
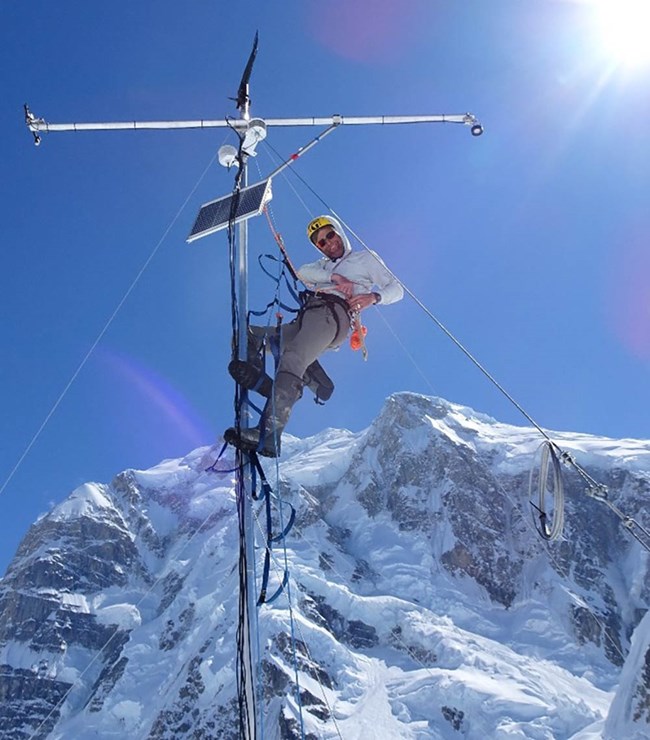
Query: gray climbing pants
[323,323]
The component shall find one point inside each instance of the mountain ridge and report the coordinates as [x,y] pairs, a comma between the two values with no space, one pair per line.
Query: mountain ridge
[421,594]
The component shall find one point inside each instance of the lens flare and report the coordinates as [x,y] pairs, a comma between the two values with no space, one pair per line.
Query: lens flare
[629,297]
[160,409]
[365,30]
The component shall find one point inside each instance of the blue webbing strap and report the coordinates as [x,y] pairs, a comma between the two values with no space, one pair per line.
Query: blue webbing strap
[293,290]
[254,406]
[213,469]
[265,491]
[287,529]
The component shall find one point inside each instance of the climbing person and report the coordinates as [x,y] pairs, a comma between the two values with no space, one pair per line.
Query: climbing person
[339,286]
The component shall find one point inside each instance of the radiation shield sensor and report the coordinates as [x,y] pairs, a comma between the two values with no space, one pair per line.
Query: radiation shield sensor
[234,208]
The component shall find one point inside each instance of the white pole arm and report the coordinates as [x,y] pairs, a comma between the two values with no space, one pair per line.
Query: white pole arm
[37,125]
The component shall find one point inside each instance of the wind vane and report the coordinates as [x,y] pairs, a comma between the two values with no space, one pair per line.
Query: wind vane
[243,203]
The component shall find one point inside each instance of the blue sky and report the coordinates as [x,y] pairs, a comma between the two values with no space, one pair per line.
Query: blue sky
[529,243]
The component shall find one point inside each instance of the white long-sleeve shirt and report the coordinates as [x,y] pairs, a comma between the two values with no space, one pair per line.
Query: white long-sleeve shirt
[364,268]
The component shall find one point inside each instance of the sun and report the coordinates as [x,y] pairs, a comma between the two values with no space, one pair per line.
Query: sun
[625,30]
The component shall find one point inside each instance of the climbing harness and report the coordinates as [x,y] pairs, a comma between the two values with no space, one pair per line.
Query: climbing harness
[309,301]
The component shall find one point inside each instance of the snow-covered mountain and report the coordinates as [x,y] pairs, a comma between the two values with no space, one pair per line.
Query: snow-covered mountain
[421,601]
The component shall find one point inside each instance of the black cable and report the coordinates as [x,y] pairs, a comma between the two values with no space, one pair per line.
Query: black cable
[244,671]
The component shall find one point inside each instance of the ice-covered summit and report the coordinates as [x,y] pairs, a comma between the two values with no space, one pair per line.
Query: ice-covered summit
[422,603]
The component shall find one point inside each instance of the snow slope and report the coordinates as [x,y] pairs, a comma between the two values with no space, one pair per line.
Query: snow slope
[421,602]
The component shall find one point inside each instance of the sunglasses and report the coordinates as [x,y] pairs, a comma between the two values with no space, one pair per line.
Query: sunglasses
[328,238]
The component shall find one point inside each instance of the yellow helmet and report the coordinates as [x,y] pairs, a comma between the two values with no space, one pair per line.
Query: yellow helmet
[317,223]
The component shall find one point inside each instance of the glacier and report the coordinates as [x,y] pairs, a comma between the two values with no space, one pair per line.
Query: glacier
[421,601]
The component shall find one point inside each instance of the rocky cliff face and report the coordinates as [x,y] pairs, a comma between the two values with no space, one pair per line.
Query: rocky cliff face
[420,600]
[629,715]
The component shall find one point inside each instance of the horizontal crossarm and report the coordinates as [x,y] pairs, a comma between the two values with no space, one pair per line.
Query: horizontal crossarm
[39,125]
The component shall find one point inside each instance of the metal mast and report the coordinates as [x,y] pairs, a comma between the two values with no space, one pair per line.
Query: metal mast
[221,214]
[247,601]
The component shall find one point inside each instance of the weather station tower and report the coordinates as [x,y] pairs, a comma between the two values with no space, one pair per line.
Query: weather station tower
[231,213]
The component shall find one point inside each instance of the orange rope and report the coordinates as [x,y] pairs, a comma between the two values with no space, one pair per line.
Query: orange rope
[278,238]
[358,336]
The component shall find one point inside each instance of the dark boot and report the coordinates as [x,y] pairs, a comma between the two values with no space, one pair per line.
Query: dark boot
[251,376]
[318,381]
[265,438]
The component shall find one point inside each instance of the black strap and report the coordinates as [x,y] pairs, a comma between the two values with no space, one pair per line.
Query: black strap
[270,305]
[326,299]
[306,295]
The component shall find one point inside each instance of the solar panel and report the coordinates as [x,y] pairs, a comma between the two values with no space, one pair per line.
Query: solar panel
[217,214]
